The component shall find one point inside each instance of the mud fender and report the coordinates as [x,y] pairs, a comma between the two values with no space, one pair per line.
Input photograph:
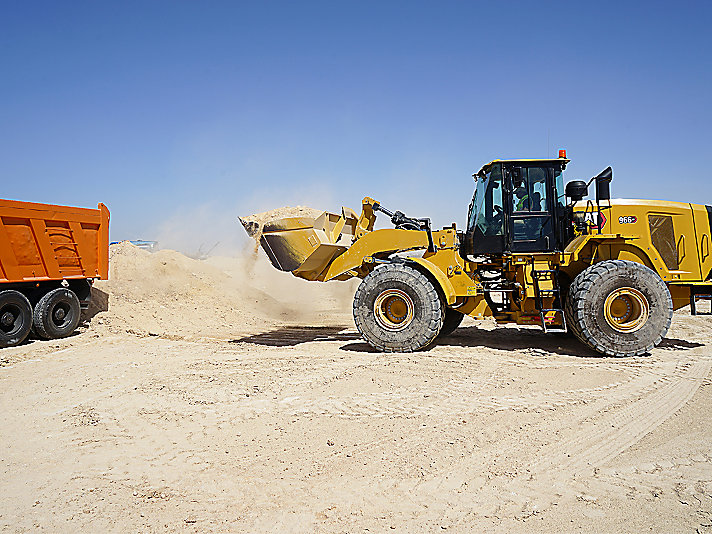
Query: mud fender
[439,275]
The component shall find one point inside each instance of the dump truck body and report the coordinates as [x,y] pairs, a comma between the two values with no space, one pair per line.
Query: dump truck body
[41,242]
[49,255]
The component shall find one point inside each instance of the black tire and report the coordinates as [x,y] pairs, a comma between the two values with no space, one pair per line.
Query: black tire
[619,308]
[451,321]
[15,318]
[57,314]
[397,309]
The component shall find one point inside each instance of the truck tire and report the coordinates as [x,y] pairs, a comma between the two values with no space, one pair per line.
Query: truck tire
[619,308]
[15,318]
[57,314]
[397,309]
[451,321]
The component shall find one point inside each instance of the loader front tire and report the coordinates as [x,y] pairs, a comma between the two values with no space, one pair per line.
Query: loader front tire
[397,309]
[619,308]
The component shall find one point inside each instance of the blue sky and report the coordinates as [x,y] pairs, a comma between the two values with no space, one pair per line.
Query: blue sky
[182,115]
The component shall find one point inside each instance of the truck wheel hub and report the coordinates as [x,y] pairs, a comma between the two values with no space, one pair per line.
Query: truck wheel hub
[626,309]
[59,314]
[8,319]
[393,309]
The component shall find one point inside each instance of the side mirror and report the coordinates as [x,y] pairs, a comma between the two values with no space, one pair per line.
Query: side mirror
[603,184]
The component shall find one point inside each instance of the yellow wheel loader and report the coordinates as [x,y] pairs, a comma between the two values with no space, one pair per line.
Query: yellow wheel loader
[534,252]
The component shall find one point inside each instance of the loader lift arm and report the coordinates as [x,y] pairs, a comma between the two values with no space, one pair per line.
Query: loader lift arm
[402,222]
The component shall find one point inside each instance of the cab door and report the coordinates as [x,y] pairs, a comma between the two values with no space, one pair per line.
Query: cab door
[531,209]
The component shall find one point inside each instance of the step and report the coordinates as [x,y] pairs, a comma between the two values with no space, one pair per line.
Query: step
[553,329]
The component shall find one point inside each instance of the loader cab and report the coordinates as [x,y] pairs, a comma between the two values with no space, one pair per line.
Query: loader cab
[518,206]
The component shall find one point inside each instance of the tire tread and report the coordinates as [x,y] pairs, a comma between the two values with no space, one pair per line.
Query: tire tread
[412,277]
[576,297]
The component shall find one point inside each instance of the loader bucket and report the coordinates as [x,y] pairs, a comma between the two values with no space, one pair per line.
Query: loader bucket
[305,246]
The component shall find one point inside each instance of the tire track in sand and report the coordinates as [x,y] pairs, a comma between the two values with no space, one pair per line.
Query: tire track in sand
[619,430]
[566,470]
[463,395]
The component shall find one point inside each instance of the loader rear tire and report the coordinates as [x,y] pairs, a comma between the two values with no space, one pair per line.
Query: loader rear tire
[15,318]
[57,314]
[451,321]
[619,308]
[397,309]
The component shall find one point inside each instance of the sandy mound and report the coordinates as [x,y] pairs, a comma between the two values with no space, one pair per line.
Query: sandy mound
[171,295]
[254,223]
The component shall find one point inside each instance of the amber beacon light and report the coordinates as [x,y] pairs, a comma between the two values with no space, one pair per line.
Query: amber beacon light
[562,154]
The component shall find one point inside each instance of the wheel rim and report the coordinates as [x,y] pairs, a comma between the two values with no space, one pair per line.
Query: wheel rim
[626,309]
[62,314]
[10,319]
[394,309]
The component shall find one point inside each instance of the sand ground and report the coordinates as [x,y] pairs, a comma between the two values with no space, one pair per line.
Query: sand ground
[223,396]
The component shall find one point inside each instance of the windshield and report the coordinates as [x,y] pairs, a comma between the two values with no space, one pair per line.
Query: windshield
[486,207]
[477,199]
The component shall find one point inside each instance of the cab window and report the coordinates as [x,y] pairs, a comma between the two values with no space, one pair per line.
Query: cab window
[490,221]
[486,213]
[530,191]
[560,191]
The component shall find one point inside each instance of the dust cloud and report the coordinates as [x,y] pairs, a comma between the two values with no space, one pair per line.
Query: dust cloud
[210,280]
[169,294]
[201,231]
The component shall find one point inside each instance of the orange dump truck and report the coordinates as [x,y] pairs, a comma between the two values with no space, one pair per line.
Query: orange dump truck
[49,258]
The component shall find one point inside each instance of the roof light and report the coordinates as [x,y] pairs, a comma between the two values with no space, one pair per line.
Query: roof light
[562,154]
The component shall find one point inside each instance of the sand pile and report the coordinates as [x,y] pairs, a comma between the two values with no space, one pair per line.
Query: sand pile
[254,223]
[171,295]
